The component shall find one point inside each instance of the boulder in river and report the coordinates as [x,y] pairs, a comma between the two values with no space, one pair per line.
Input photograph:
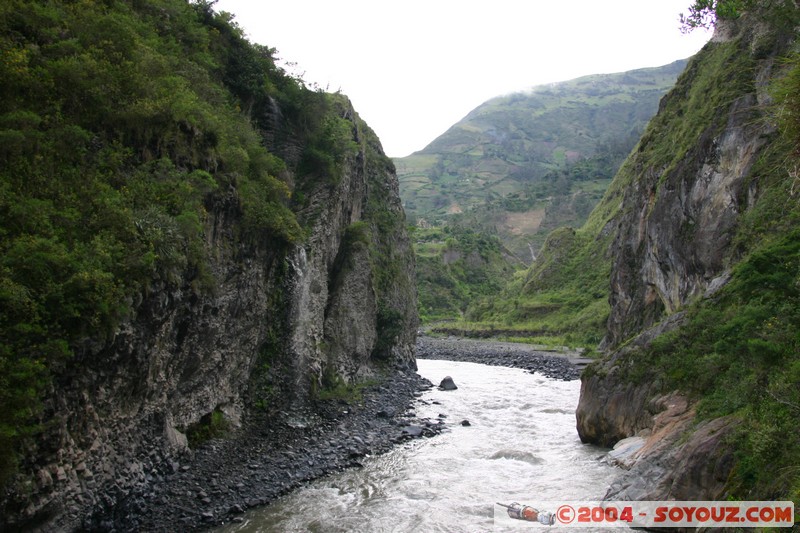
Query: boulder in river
[447,384]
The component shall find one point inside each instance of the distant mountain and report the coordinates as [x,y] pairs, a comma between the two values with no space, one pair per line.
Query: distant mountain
[523,164]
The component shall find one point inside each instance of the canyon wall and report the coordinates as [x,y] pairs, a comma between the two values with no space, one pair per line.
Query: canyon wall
[279,323]
[683,193]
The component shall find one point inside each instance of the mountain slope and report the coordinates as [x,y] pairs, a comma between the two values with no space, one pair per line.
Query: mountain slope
[524,164]
[703,330]
[184,230]
[455,267]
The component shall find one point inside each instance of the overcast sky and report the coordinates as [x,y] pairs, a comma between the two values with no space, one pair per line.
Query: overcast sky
[413,68]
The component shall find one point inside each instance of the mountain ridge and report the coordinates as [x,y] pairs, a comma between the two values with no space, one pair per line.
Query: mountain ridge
[522,164]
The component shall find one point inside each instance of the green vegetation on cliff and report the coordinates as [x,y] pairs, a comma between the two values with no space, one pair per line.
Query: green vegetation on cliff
[736,352]
[121,125]
[456,266]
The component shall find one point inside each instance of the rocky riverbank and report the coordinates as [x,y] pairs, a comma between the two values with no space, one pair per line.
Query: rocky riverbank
[267,458]
[565,366]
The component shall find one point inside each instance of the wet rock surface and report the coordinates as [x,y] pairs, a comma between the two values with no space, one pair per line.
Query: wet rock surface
[270,457]
[508,354]
[447,384]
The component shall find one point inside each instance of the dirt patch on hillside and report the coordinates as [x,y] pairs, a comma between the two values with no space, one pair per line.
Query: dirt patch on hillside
[524,223]
[454,209]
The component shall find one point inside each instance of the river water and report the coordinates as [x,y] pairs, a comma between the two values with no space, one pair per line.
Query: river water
[521,446]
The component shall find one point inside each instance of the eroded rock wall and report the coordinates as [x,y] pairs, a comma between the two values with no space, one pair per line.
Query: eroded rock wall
[679,213]
[291,314]
[688,183]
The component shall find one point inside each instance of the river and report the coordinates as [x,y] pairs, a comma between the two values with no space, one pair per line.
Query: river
[520,446]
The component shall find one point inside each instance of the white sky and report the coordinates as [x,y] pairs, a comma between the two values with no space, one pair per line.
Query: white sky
[413,68]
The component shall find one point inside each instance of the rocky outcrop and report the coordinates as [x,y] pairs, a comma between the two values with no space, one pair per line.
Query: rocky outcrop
[664,452]
[675,459]
[690,180]
[447,384]
[278,322]
[686,187]
[353,273]
[612,406]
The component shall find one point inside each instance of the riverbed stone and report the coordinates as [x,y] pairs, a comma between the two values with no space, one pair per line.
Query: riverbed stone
[554,365]
[447,384]
[270,456]
[412,431]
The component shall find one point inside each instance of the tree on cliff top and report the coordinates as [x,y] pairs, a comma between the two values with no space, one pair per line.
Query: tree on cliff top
[705,13]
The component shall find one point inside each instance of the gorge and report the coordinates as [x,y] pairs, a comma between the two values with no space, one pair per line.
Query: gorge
[207,282]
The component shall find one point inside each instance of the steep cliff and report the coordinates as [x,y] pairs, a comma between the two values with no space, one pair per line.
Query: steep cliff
[681,207]
[262,245]
[705,219]
[353,299]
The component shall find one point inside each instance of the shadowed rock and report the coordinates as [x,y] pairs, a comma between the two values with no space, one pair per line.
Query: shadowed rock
[447,384]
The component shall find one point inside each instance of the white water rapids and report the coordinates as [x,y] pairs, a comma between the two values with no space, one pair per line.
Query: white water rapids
[521,446]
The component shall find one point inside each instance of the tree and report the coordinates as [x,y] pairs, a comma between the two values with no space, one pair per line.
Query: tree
[705,13]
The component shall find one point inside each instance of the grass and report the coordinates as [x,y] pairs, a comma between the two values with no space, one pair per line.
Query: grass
[335,389]
[212,426]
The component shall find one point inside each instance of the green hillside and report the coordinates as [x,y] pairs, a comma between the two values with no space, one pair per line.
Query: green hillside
[456,266]
[124,126]
[524,164]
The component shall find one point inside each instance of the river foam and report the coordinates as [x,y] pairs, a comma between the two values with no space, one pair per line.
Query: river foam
[521,444]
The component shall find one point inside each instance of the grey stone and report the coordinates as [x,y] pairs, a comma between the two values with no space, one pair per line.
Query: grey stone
[412,431]
[447,384]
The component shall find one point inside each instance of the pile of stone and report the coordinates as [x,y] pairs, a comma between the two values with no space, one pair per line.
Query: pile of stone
[508,354]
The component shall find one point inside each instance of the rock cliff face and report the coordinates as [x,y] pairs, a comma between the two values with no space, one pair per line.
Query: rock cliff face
[352,298]
[686,186]
[281,322]
[681,208]
[663,463]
